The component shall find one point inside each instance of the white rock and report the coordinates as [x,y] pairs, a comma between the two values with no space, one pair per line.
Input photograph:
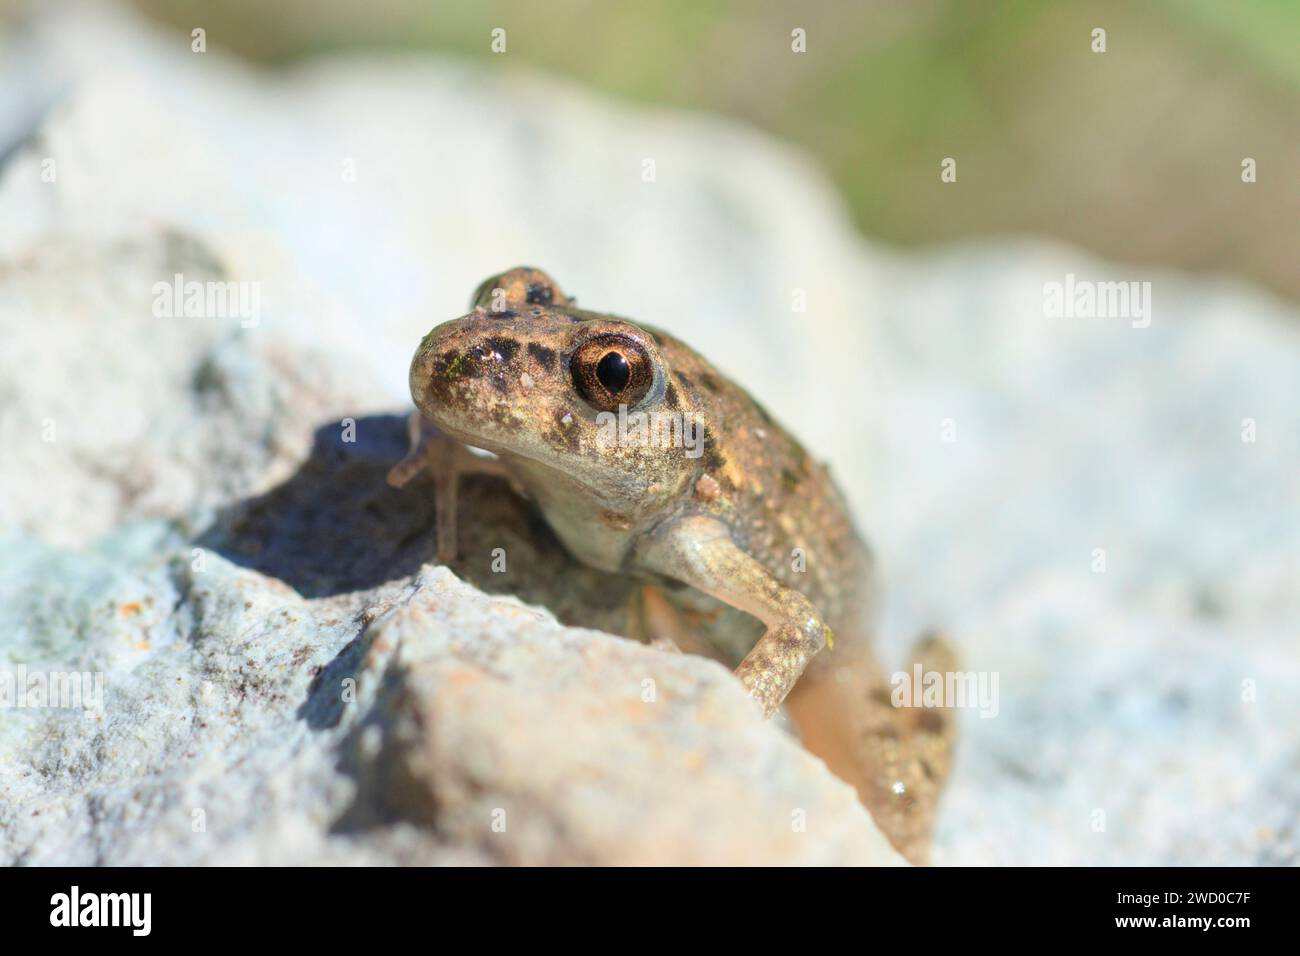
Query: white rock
[1147,714]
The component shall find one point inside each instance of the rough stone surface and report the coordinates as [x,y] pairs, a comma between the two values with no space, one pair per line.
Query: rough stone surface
[181,510]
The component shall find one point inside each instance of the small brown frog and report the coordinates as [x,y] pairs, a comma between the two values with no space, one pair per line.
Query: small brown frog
[647,461]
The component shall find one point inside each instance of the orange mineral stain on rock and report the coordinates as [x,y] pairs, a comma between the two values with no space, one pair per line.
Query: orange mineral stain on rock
[693,759]
[463,678]
[634,708]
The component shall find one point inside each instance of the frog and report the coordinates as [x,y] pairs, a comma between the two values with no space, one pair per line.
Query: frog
[647,461]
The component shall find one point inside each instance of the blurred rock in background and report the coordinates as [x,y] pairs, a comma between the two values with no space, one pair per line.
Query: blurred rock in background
[1134,153]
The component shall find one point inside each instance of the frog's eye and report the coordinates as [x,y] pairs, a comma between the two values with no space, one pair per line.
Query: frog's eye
[612,370]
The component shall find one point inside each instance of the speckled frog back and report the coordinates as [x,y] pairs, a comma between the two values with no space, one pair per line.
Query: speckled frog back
[782,505]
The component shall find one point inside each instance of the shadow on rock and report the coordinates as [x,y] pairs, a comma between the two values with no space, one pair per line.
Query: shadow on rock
[337,527]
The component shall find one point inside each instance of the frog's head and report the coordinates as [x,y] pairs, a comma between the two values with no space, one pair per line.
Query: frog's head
[556,391]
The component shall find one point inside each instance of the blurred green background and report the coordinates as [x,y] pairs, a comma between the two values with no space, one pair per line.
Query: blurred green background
[1135,153]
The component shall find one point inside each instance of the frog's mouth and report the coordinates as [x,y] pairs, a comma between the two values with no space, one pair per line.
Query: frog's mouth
[472,404]
[548,458]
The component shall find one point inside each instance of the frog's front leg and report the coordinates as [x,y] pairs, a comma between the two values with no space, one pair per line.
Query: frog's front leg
[446,460]
[700,551]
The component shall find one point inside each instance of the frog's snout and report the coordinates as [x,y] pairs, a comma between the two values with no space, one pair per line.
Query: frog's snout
[446,356]
[465,368]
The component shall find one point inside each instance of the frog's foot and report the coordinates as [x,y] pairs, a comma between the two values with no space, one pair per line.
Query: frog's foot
[935,727]
[914,766]
[446,460]
[700,551]
[896,757]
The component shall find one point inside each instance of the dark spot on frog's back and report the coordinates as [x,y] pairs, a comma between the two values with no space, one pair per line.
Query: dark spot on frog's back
[714,462]
[538,294]
[789,479]
[670,396]
[503,346]
[545,357]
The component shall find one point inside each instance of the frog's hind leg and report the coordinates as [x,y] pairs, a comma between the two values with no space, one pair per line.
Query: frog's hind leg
[446,460]
[654,620]
[897,758]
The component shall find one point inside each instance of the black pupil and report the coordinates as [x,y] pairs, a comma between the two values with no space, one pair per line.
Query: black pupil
[613,372]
